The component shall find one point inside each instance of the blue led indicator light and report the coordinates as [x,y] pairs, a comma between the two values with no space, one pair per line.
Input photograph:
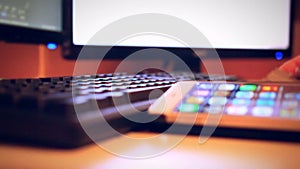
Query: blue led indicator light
[279,55]
[51,46]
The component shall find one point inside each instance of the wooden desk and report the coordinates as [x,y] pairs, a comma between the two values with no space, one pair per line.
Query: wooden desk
[215,153]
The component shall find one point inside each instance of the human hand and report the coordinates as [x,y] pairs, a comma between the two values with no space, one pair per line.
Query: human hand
[292,67]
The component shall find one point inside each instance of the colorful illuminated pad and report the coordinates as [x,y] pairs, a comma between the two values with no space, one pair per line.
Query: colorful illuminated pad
[242,99]
[185,107]
[248,87]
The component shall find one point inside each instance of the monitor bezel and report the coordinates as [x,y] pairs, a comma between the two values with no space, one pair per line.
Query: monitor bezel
[71,51]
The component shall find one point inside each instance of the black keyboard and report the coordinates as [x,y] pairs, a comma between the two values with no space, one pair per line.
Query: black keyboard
[41,110]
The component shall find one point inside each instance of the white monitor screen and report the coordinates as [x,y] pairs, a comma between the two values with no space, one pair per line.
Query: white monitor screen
[227,24]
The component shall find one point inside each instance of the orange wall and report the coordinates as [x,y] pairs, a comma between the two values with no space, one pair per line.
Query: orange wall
[257,68]
[20,60]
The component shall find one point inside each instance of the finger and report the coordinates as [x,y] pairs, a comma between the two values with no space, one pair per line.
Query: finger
[296,60]
[291,65]
[297,73]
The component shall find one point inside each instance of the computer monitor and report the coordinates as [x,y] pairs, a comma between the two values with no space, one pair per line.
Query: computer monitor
[235,28]
[31,21]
